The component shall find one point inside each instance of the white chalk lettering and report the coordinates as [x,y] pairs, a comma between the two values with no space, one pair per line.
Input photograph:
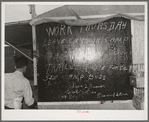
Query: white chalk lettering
[56,31]
[105,25]
[81,29]
[119,25]
[99,26]
[69,31]
[50,32]
[54,41]
[94,26]
[88,27]
[125,39]
[91,77]
[106,39]
[111,26]
[82,76]
[118,39]
[104,77]
[62,30]
[44,43]
[98,40]
[70,40]
[58,41]
[112,40]
[62,41]
[103,68]
[124,25]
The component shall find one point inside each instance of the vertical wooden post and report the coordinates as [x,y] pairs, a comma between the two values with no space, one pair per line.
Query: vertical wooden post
[32,8]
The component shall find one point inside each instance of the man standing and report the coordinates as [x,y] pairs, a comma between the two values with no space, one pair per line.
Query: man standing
[18,87]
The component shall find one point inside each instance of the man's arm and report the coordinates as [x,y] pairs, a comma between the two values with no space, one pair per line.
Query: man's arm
[28,96]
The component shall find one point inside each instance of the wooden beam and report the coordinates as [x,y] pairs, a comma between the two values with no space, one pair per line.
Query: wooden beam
[18,23]
[23,44]
[18,50]
[32,8]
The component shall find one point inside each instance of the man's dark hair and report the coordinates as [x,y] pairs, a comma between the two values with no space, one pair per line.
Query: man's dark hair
[20,61]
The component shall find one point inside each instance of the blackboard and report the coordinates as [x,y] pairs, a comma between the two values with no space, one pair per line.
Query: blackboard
[84,63]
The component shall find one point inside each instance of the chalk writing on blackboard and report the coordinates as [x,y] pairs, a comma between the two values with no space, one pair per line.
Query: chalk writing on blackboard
[66,30]
[109,40]
[78,63]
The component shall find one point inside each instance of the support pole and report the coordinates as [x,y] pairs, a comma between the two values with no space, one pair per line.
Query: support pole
[32,11]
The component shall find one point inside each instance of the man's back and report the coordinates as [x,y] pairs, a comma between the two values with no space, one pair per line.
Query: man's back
[17,86]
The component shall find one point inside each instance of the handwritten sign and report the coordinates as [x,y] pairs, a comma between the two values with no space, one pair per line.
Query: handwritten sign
[84,63]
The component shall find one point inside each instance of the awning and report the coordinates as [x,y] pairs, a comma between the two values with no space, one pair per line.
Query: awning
[80,15]
[85,22]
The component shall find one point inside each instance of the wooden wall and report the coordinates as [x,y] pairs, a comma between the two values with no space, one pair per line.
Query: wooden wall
[138,41]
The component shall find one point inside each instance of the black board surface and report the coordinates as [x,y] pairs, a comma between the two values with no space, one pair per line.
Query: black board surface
[84,63]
